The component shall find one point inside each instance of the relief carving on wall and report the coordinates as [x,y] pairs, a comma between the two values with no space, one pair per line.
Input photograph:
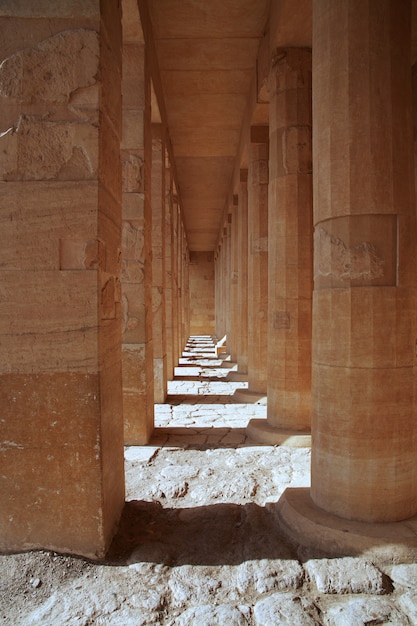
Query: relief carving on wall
[335,260]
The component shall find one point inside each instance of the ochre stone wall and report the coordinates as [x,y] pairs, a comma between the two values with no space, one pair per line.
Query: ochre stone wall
[60,372]
[201,293]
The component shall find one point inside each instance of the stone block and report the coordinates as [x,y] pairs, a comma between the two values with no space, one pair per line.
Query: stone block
[52,70]
[347,575]
[133,91]
[48,321]
[51,150]
[136,395]
[37,217]
[51,463]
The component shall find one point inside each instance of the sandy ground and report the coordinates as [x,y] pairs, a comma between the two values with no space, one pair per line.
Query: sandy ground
[198,542]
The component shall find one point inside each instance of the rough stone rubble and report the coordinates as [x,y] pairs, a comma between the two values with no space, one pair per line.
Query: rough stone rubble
[198,543]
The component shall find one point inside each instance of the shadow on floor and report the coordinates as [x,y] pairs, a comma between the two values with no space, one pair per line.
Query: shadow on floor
[220,534]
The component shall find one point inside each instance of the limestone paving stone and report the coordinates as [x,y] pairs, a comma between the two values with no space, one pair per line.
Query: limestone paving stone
[408,604]
[285,609]
[347,575]
[268,575]
[209,615]
[367,610]
[404,575]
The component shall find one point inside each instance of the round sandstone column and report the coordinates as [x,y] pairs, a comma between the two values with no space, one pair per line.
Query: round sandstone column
[364,457]
[290,253]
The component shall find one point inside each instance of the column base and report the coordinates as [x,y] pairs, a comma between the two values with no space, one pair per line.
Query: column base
[236,377]
[261,431]
[318,534]
[246,396]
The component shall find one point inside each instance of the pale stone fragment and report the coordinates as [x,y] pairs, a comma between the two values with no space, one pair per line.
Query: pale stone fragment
[347,575]
[141,454]
[360,611]
[285,609]
[405,575]
[269,574]
[408,603]
[209,615]
[193,583]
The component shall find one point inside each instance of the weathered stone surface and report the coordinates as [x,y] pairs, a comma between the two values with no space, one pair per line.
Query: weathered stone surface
[359,611]
[285,609]
[54,69]
[208,615]
[268,575]
[193,584]
[404,575]
[408,603]
[347,575]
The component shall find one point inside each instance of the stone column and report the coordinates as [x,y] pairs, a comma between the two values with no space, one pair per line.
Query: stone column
[232,338]
[61,457]
[242,289]
[180,262]
[158,264]
[186,291]
[137,351]
[364,463]
[364,444]
[174,268]
[169,274]
[257,266]
[217,287]
[290,253]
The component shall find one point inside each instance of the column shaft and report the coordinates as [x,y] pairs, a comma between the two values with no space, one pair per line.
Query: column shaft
[242,285]
[364,462]
[137,353]
[232,340]
[258,260]
[158,265]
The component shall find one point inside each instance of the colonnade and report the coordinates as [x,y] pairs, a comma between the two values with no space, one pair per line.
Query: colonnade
[315,264]
[94,267]
[335,356]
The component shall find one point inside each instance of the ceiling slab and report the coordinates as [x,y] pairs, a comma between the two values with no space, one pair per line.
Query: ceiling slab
[207,52]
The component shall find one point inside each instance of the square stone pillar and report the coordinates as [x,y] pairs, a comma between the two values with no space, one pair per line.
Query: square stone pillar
[232,338]
[242,285]
[168,272]
[175,284]
[61,427]
[137,350]
[158,264]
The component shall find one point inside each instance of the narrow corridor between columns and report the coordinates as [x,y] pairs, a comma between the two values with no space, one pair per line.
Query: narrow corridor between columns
[201,409]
